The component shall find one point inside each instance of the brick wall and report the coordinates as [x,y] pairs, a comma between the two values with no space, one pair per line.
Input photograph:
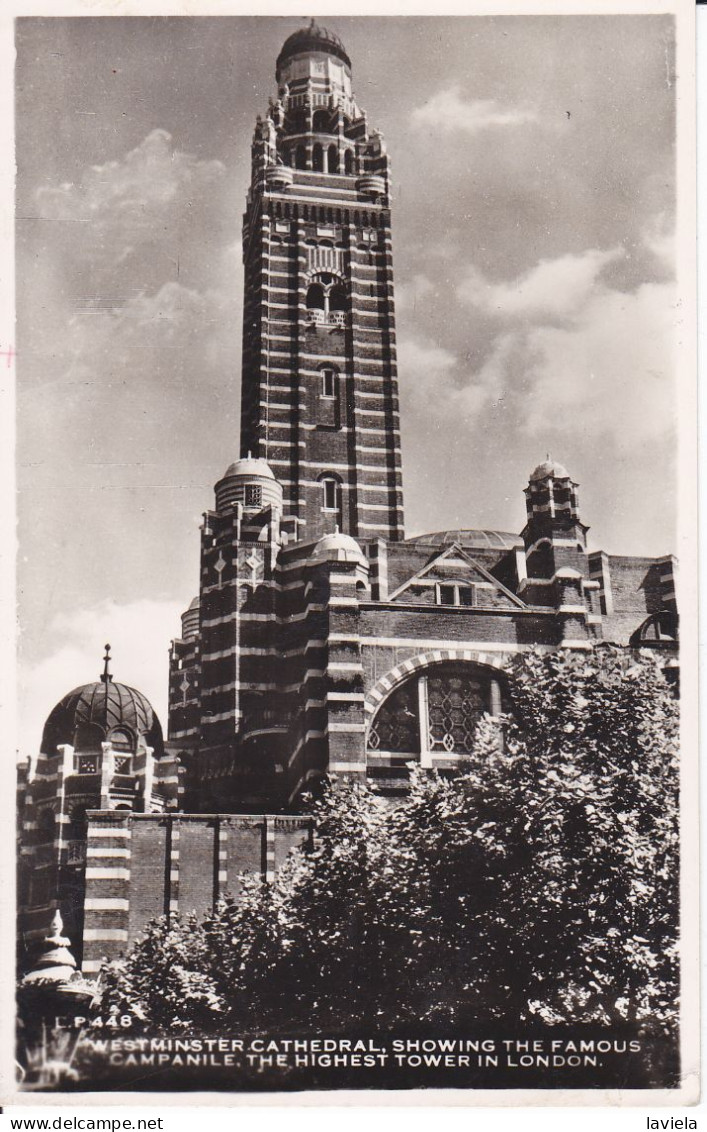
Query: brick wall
[140,866]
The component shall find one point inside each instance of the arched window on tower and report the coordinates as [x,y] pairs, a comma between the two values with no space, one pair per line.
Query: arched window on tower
[337,304]
[318,159]
[316,306]
[348,162]
[331,497]
[332,159]
[300,157]
[320,122]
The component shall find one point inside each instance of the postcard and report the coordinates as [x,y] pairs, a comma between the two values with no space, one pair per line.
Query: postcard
[355,382]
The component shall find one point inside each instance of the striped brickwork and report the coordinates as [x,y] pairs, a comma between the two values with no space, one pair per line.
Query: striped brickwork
[327,223]
[140,866]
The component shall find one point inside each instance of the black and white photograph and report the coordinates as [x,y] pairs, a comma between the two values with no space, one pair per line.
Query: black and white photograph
[355,414]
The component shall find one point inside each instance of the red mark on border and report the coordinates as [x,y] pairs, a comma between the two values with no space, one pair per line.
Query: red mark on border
[9,353]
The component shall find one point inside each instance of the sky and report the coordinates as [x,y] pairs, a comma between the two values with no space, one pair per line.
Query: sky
[533,236]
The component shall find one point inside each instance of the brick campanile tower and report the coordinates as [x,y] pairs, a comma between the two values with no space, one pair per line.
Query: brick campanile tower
[319,392]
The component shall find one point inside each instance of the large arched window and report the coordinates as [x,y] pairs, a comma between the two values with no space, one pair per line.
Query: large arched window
[318,159]
[326,300]
[435,712]
[348,161]
[320,122]
[332,159]
[300,157]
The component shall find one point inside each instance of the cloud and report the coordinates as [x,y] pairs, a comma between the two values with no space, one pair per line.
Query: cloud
[553,287]
[139,633]
[610,373]
[566,353]
[659,238]
[151,180]
[430,381]
[448,111]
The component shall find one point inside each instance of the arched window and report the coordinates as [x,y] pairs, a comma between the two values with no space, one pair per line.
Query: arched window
[320,122]
[123,745]
[435,713]
[348,161]
[331,497]
[316,303]
[332,159]
[658,628]
[337,298]
[121,740]
[330,494]
[318,159]
[337,304]
[301,157]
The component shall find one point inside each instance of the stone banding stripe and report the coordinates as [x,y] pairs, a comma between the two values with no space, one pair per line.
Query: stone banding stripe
[387,683]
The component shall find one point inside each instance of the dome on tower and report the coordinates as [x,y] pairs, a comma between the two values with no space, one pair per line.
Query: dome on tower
[249,466]
[250,481]
[314,37]
[94,711]
[338,547]
[549,467]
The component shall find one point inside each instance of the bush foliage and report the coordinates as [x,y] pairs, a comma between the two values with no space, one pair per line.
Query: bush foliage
[541,881]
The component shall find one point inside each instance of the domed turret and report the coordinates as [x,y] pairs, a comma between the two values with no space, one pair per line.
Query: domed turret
[311,38]
[551,495]
[96,713]
[250,481]
[338,547]
[549,469]
[190,620]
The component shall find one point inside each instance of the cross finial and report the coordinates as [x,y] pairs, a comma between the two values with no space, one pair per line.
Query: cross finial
[106,677]
[548,457]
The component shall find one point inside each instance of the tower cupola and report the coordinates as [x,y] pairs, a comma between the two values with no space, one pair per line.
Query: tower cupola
[551,495]
[313,51]
[250,482]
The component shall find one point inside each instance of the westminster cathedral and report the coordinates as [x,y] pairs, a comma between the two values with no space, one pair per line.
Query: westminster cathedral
[321,642]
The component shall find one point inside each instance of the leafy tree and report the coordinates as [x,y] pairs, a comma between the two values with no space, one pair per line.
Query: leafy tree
[541,881]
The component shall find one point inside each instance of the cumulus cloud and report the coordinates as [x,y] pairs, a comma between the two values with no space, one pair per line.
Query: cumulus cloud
[152,180]
[575,353]
[139,633]
[431,385]
[448,111]
[611,371]
[560,286]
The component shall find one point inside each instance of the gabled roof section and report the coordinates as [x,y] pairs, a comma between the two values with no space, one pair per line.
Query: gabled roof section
[455,564]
